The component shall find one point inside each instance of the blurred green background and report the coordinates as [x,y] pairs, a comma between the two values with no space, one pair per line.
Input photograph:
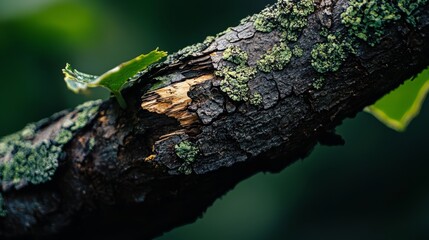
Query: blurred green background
[374,187]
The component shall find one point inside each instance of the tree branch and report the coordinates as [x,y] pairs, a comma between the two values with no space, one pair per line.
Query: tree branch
[213,114]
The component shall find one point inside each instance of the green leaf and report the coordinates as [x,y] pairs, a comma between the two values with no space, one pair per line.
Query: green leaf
[398,108]
[114,79]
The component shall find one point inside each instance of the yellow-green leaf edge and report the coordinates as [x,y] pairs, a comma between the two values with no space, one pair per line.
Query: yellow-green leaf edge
[402,124]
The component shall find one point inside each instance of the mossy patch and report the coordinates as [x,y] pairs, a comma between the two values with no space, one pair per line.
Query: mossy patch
[188,152]
[297,51]
[318,83]
[328,56]
[23,162]
[63,136]
[256,99]
[367,19]
[275,59]
[235,80]
[235,55]
[266,21]
[31,164]
[288,16]
[411,8]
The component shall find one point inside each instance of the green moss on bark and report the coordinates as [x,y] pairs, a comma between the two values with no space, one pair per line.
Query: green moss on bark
[188,152]
[235,80]
[288,16]
[367,19]
[328,56]
[411,8]
[235,55]
[275,59]
[22,161]
[266,21]
[297,51]
[318,83]
[256,99]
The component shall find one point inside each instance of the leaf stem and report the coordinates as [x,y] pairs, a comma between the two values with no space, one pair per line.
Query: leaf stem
[120,100]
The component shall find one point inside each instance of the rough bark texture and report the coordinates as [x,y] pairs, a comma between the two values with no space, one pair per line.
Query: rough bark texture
[130,183]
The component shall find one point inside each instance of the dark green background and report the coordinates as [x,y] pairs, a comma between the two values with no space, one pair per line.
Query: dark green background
[374,187]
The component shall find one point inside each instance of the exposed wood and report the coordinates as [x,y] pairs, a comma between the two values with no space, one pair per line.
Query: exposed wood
[173,100]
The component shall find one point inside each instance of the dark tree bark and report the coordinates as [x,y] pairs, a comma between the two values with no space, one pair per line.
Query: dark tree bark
[131,181]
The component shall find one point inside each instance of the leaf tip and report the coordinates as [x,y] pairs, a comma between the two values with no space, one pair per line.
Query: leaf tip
[398,108]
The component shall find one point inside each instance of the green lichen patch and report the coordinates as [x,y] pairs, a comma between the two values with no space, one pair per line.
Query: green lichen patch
[85,114]
[24,135]
[63,136]
[256,99]
[235,55]
[236,77]
[187,52]
[289,16]
[367,19]
[411,8]
[293,17]
[235,81]
[275,59]
[297,51]
[209,40]
[318,83]
[190,50]
[328,56]
[22,161]
[188,152]
[266,21]
[324,32]
[31,164]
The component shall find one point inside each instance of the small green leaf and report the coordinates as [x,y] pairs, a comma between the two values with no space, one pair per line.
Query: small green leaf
[114,79]
[398,108]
